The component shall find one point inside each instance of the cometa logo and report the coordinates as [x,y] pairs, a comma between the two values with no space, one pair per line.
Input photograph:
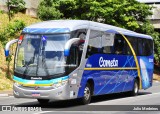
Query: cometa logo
[36,78]
[108,63]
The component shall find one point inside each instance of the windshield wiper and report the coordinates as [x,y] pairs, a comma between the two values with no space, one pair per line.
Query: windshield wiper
[42,51]
[32,58]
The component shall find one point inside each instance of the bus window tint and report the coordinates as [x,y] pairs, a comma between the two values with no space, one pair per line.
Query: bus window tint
[133,42]
[94,44]
[147,47]
[73,58]
[140,46]
[119,44]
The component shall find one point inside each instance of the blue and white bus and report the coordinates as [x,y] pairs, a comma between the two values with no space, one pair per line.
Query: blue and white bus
[69,59]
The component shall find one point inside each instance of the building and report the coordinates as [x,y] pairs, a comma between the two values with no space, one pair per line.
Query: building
[155,18]
[30,7]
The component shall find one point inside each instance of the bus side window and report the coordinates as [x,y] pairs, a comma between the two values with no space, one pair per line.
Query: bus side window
[150,46]
[72,59]
[81,33]
[77,49]
[133,42]
[147,47]
[75,54]
[107,43]
[94,44]
[80,50]
[92,50]
[140,47]
[119,45]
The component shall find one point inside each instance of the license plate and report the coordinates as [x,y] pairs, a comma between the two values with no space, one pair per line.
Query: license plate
[35,94]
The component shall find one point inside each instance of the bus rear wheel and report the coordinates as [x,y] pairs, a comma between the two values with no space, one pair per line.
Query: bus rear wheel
[87,94]
[135,89]
[43,101]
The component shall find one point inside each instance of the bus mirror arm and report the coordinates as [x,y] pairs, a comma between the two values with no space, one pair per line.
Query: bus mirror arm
[68,45]
[8,46]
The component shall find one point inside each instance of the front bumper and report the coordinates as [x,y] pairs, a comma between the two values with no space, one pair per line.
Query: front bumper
[60,93]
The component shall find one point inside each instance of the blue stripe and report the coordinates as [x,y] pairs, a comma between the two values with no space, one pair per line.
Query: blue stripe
[45,30]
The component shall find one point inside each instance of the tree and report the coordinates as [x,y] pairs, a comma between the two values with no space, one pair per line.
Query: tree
[48,9]
[129,14]
[146,27]
[122,13]
[14,6]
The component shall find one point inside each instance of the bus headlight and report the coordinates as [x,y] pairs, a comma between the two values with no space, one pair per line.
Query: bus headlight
[59,84]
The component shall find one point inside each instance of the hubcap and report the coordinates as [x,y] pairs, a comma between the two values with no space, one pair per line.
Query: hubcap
[136,88]
[86,93]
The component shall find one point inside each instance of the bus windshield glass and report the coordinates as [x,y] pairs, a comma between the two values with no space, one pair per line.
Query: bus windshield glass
[41,55]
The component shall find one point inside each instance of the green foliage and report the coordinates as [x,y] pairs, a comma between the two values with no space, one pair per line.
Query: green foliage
[1,11]
[16,24]
[15,27]
[122,13]
[3,37]
[48,9]
[11,30]
[9,58]
[14,6]
[129,14]
[156,47]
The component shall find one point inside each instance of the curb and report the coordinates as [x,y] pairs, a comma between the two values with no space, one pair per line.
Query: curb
[156,81]
[6,93]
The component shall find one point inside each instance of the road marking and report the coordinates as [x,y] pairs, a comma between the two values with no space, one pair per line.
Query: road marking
[3,95]
[67,112]
[11,96]
[43,112]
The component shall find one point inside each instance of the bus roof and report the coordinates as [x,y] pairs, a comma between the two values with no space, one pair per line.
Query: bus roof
[64,26]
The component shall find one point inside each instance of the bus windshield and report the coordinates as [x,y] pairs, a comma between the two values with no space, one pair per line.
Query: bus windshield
[41,55]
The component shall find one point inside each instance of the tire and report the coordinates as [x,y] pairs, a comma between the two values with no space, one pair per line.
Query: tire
[135,89]
[43,101]
[87,94]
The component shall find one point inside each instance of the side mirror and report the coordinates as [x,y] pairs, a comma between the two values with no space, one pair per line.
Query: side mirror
[68,45]
[8,46]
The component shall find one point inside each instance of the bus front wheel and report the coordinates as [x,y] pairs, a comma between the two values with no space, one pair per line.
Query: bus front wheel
[43,101]
[87,94]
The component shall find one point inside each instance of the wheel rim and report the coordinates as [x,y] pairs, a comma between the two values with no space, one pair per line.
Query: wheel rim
[86,93]
[136,88]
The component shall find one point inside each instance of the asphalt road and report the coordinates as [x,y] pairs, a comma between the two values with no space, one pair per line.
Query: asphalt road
[110,104]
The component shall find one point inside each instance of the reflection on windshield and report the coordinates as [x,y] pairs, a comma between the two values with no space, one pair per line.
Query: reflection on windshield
[41,55]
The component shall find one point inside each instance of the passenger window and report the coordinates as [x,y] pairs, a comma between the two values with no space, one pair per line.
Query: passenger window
[119,45]
[78,48]
[133,42]
[81,33]
[147,47]
[107,43]
[140,46]
[73,58]
[94,44]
